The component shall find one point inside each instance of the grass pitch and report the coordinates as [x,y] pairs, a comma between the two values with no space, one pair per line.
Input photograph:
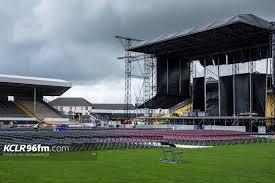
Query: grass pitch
[237,163]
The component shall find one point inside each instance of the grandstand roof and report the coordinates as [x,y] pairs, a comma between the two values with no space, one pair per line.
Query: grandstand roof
[112,106]
[243,37]
[69,101]
[12,85]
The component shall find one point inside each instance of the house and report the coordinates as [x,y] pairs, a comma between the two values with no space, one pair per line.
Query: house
[72,106]
[81,108]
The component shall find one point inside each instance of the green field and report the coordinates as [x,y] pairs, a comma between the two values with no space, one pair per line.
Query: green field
[237,163]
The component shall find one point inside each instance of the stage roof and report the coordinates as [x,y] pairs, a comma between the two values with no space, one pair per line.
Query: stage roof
[11,85]
[243,37]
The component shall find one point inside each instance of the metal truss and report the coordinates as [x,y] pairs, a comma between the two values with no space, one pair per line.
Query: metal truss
[149,88]
[273,51]
[236,68]
[272,65]
[147,84]
[251,69]
[148,76]
[211,80]
[126,44]
[192,70]
[153,76]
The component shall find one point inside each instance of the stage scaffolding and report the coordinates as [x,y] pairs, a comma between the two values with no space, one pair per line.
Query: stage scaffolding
[148,75]
[251,122]
[150,51]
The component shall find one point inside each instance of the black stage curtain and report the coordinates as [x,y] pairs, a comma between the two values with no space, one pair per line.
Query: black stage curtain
[198,98]
[173,82]
[258,81]
[242,94]
[173,76]
[161,75]
[185,79]
[226,95]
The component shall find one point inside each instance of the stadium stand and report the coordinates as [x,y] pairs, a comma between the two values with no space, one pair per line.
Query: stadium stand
[21,98]
[9,109]
[42,109]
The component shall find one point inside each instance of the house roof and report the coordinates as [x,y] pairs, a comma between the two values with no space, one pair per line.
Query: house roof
[112,106]
[62,101]
[68,101]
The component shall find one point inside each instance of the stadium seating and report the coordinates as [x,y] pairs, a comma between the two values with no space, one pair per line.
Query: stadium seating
[42,109]
[9,109]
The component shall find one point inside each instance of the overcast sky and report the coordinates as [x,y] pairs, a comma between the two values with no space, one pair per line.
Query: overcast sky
[74,39]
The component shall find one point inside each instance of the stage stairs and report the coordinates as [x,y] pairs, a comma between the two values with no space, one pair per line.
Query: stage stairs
[182,107]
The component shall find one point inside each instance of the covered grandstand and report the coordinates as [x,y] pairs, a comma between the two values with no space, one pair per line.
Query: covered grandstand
[21,99]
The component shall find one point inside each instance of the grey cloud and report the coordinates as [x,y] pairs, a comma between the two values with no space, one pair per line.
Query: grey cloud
[74,39]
